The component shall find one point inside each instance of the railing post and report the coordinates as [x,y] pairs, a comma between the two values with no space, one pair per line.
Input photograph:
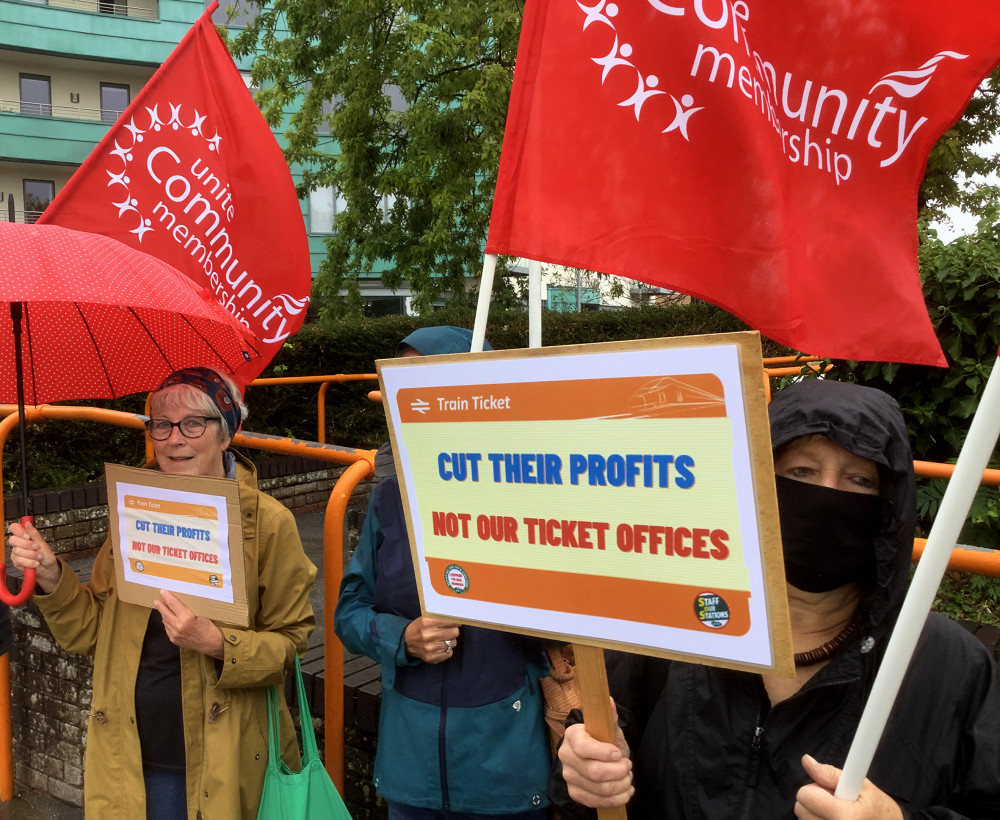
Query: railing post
[333,649]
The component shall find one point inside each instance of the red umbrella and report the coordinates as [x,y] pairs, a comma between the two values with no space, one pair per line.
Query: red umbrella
[91,318]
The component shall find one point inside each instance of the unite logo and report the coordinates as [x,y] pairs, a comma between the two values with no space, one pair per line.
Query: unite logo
[711,69]
[170,186]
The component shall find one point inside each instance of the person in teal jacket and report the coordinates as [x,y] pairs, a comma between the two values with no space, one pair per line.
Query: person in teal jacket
[461,728]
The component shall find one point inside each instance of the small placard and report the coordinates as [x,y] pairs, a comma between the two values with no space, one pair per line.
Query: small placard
[181,533]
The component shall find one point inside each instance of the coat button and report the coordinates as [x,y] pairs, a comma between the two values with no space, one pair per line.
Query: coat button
[100,717]
[536,800]
[517,706]
[232,639]
[232,660]
[213,713]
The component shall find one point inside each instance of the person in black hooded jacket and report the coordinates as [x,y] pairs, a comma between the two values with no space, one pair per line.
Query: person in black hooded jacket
[707,743]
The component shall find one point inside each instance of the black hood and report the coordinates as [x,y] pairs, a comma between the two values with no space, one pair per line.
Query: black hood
[868,423]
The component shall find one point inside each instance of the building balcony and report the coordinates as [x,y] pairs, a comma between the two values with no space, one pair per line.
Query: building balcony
[64,137]
[135,32]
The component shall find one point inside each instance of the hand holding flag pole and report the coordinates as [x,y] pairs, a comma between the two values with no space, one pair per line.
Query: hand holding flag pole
[972,460]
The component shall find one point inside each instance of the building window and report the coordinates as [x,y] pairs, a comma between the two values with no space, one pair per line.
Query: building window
[36,94]
[235,14]
[384,306]
[38,193]
[248,82]
[114,99]
[324,205]
[388,201]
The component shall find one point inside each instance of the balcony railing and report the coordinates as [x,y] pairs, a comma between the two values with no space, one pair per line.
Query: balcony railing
[6,215]
[69,112]
[122,9]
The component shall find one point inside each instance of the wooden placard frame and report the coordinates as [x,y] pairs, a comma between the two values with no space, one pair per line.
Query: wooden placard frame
[221,493]
[752,386]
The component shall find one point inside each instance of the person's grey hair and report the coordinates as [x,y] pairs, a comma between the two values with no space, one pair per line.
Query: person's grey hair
[190,397]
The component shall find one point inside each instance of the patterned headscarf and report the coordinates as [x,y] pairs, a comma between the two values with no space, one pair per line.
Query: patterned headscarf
[212,385]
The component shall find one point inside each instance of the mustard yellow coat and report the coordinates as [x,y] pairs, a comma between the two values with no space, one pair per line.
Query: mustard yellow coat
[225,715]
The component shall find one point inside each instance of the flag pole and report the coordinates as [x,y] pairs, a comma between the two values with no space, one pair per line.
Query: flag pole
[483,304]
[534,303]
[972,460]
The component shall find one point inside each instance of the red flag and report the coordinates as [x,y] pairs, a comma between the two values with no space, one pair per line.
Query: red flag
[192,174]
[759,154]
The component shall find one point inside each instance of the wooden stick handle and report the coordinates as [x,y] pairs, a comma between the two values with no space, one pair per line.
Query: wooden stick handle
[595,700]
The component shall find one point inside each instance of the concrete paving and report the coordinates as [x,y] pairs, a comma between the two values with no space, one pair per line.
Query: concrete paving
[32,805]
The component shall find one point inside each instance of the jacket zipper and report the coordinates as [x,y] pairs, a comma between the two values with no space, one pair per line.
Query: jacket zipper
[757,742]
[442,745]
[754,768]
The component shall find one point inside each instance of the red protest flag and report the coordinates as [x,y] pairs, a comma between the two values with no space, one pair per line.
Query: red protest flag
[192,175]
[762,155]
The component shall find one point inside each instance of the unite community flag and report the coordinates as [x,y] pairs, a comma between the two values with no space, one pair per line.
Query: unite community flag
[191,173]
[759,154]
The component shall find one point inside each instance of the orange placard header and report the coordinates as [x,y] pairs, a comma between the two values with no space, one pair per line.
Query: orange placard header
[697,395]
[162,506]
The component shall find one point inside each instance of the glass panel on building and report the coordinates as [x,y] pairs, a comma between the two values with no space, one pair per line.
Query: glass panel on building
[384,305]
[233,13]
[36,94]
[115,98]
[38,193]
[324,205]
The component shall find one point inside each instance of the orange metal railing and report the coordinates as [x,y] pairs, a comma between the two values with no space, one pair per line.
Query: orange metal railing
[360,467]
[324,383]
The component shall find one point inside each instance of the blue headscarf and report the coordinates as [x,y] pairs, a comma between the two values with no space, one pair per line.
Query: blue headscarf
[428,341]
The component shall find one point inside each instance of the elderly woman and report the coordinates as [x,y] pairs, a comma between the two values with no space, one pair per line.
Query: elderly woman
[702,742]
[178,722]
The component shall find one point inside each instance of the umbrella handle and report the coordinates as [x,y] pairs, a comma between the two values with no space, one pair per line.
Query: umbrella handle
[29,580]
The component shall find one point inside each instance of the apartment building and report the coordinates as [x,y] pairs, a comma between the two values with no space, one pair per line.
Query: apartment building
[68,68]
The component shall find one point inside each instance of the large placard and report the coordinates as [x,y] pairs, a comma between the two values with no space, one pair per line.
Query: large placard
[617,494]
[181,533]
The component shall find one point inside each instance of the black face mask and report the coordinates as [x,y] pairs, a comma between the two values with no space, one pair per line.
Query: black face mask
[828,536]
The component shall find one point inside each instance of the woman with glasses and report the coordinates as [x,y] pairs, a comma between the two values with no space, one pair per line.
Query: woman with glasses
[178,720]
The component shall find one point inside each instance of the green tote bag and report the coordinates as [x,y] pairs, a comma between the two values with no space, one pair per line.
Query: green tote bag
[305,795]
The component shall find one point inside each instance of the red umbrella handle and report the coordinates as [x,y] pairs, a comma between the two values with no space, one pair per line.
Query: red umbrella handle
[29,580]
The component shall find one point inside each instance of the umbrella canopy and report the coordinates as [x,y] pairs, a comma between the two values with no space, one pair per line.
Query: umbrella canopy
[88,317]
[103,320]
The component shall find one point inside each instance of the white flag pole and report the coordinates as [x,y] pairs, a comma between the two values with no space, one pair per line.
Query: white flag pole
[534,303]
[962,486]
[483,304]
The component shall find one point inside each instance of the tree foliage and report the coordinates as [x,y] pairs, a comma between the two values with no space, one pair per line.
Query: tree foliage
[340,68]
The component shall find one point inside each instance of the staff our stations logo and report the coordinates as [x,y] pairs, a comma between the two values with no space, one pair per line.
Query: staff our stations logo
[711,610]
[457,579]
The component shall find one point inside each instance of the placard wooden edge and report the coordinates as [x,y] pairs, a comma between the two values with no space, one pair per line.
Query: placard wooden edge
[762,468]
[236,613]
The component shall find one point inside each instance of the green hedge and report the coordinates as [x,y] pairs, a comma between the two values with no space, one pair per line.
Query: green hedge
[66,453]
[353,345]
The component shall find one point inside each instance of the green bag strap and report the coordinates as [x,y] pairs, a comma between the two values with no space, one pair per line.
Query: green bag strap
[273,730]
[310,751]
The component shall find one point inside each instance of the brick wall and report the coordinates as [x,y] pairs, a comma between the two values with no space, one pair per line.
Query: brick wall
[51,688]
